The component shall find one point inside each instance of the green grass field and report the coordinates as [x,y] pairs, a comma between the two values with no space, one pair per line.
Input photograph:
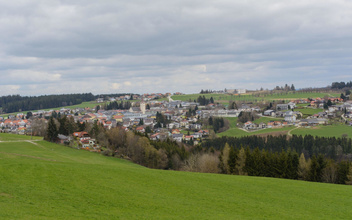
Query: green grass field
[224,98]
[234,131]
[47,181]
[15,137]
[325,131]
[309,111]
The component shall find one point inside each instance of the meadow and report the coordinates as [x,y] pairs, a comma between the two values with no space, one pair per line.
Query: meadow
[234,131]
[325,131]
[309,111]
[224,98]
[42,180]
[15,137]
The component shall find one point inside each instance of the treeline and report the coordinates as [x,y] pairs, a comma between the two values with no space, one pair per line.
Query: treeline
[341,85]
[204,101]
[18,103]
[285,88]
[207,91]
[112,95]
[117,105]
[284,164]
[330,147]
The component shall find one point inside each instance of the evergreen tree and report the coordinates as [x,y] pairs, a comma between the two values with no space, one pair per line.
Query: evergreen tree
[293,88]
[232,160]
[52,131]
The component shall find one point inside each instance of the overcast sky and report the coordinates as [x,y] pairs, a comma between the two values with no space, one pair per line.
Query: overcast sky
[53,46]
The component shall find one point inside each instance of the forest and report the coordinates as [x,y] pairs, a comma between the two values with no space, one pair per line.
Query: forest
[17,103]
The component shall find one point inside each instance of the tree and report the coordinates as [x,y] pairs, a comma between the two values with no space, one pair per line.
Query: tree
[303,167]
[342,96]
[224,158]
[52,131]
[329,103]
[148,130]
[293,88]
[233,155]
[241,160]
[29,114]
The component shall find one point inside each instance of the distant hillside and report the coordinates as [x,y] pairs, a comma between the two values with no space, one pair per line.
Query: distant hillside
[41,180]
[17,103]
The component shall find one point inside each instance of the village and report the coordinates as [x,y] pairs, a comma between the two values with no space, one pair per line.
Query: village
[181,121]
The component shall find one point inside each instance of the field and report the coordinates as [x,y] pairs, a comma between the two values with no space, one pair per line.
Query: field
[224,98]
[325,131]
[41,180]
[234,131]
[309,111]
[15,137]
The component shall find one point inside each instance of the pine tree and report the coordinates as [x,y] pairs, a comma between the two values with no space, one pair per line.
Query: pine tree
[233,155]
[52,131]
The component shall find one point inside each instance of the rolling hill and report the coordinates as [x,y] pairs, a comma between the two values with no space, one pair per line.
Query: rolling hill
[41,180]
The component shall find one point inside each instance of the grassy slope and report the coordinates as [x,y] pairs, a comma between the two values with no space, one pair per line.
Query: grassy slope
[309,111]
[15,137]
[49,181]
[235,132]
[326,131]
[248,97]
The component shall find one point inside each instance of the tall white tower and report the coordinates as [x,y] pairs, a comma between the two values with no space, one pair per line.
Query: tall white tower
[142,106]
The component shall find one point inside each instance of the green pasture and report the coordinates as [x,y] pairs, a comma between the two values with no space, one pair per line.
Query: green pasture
[325,131]
[15,137]
[255,97]
[235,132]
[42,180]
[309,111]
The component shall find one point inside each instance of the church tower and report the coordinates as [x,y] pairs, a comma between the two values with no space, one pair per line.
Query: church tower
[142,106]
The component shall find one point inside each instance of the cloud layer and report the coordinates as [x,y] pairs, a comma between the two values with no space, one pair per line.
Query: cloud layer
[62,46]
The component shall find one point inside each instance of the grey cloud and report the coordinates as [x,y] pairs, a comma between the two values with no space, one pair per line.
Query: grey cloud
[103,44]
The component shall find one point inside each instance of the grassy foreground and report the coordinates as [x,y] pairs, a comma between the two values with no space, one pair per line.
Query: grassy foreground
[41,180]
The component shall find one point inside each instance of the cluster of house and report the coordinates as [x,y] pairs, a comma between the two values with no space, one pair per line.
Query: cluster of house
[16,124]
[145,97]
[141,119]
[291,117]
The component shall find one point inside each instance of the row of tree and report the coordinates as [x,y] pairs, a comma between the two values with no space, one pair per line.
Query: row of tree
[284,164]
[117,105]
[331,147]
[204,101]
[207,91]
[341,85]
[17,103]
[286,88]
